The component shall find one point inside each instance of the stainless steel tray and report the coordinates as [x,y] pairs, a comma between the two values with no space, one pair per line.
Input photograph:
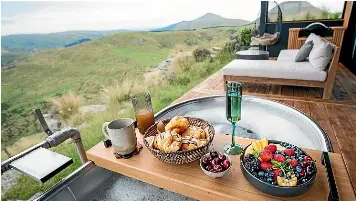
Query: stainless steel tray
[260,118]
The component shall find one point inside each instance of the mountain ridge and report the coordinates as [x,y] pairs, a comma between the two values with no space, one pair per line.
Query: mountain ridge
[204,21]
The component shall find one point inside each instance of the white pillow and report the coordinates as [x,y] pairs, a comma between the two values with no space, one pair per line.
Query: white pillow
[321,54]
[311,37]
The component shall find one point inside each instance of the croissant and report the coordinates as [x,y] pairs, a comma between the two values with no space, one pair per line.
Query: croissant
[178,124]
[195,132]
[190,143]
[168,141]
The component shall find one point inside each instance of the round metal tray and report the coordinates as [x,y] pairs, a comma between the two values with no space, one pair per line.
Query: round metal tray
[260,118]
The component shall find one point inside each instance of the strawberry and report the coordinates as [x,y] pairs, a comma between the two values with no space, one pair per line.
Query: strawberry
[289,152]
[265,165]
[279,158]
[293,162]
[266,155]
[276,173]
[272,148]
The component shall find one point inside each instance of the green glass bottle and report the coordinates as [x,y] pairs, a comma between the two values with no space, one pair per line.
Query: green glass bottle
[233,113]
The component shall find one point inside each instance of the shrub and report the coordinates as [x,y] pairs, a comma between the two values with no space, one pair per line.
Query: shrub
[241,42]
[183,64]
[67,105]
[201,54]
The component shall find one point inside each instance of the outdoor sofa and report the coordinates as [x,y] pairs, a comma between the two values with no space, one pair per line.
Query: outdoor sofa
[319,72]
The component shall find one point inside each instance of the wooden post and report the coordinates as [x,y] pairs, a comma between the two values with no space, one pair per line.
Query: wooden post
[347,13]
[329,83]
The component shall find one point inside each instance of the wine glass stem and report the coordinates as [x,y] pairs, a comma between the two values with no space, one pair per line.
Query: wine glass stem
[233,134]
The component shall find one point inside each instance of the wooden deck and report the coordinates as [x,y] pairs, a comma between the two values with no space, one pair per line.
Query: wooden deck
[344,90]
[337,116]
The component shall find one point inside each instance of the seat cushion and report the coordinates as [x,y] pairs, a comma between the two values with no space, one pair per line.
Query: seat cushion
[274,69]
[287,55]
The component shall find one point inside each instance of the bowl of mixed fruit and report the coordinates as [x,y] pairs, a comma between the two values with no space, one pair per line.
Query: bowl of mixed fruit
[278,168]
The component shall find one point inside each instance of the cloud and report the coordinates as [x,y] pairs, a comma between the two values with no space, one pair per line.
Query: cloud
[123,14]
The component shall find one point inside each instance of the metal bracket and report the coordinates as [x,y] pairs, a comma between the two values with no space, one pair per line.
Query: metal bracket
[43,122]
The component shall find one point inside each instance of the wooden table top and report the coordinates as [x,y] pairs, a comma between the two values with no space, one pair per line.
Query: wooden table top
[190,180]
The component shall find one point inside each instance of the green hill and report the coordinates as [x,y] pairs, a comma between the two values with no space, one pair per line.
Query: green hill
[84,69]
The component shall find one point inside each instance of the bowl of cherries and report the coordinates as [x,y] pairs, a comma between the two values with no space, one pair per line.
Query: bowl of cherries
[215,164]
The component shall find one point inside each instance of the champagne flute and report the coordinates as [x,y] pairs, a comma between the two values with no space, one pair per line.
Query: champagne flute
[233,114]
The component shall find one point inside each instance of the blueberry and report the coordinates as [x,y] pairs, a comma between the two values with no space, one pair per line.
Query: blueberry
[300,159]
[282,152]
[266,174]
[304,180]
[268,170]
[269,179]
[271,174]
[297,175]
[292,157]
[273,183]
[261,173]
[281,174]
[299,169]
[278,152]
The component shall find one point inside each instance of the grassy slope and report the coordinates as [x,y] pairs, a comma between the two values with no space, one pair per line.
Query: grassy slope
[84,69]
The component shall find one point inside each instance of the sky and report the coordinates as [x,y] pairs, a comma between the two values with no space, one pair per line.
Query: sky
[46,17]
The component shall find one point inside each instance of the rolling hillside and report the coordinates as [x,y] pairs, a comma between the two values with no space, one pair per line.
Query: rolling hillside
[84,69]
[207,20]
[35,42]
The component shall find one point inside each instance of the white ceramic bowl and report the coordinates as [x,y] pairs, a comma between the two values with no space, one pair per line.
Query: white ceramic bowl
[218,174]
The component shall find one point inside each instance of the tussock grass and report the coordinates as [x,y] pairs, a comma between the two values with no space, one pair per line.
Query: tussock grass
[67,105]
[119,92]
[179,48]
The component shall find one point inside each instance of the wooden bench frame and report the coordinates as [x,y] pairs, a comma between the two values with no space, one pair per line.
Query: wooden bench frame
[327,84]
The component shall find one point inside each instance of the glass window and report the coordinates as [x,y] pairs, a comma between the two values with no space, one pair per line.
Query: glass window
[305,10]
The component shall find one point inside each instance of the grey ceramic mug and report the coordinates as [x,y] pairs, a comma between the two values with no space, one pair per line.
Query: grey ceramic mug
[122,134]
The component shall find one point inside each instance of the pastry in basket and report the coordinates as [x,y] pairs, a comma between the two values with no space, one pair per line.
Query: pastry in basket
[194,131]
[178,124]
[190,143]
[168,141]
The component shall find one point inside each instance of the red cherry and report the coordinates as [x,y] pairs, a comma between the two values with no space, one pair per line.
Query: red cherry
[208,167]
[226,164]
[215,161]
[213,154]
[205,161]
[217,168]
[222,157]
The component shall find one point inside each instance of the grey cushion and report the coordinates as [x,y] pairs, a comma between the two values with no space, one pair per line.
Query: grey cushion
[304,52]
